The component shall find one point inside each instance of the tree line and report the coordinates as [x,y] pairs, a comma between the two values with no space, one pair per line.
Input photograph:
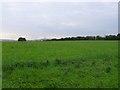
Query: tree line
[107,37]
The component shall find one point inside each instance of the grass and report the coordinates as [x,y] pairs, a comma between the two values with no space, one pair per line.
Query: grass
[62,64]
[0,65]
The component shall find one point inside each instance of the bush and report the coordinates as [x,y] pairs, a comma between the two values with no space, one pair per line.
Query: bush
[21,39]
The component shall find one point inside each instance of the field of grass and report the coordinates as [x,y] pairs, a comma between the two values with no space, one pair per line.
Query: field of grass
[0,65]
[62,64]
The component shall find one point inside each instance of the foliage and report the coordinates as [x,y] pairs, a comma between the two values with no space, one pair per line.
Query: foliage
[21,39]
[107,37]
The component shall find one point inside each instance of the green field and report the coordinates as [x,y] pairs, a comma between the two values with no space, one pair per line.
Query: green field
[0,65]
[60,64]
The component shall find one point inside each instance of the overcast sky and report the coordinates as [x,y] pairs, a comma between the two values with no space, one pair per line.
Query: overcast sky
[58,19]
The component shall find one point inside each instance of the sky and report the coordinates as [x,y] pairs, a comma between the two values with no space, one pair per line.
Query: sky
[37,20]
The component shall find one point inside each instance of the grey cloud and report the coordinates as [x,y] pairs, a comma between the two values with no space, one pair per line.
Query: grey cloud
[60,19]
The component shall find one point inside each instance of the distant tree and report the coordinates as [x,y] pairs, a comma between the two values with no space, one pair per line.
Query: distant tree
[80,38]
[99,38]
[90,37]
[111,37]
[107,37]
[21,39]
[118,36]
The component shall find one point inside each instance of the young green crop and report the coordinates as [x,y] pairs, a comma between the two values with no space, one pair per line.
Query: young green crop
[60,64]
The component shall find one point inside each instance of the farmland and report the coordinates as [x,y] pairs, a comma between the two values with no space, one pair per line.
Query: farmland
[60,64]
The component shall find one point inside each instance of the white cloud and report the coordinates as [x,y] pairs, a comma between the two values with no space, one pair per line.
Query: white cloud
[70,24]
[59,0]
[7,35]
[37,20]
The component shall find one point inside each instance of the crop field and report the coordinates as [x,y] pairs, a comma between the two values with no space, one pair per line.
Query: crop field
[60,64]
